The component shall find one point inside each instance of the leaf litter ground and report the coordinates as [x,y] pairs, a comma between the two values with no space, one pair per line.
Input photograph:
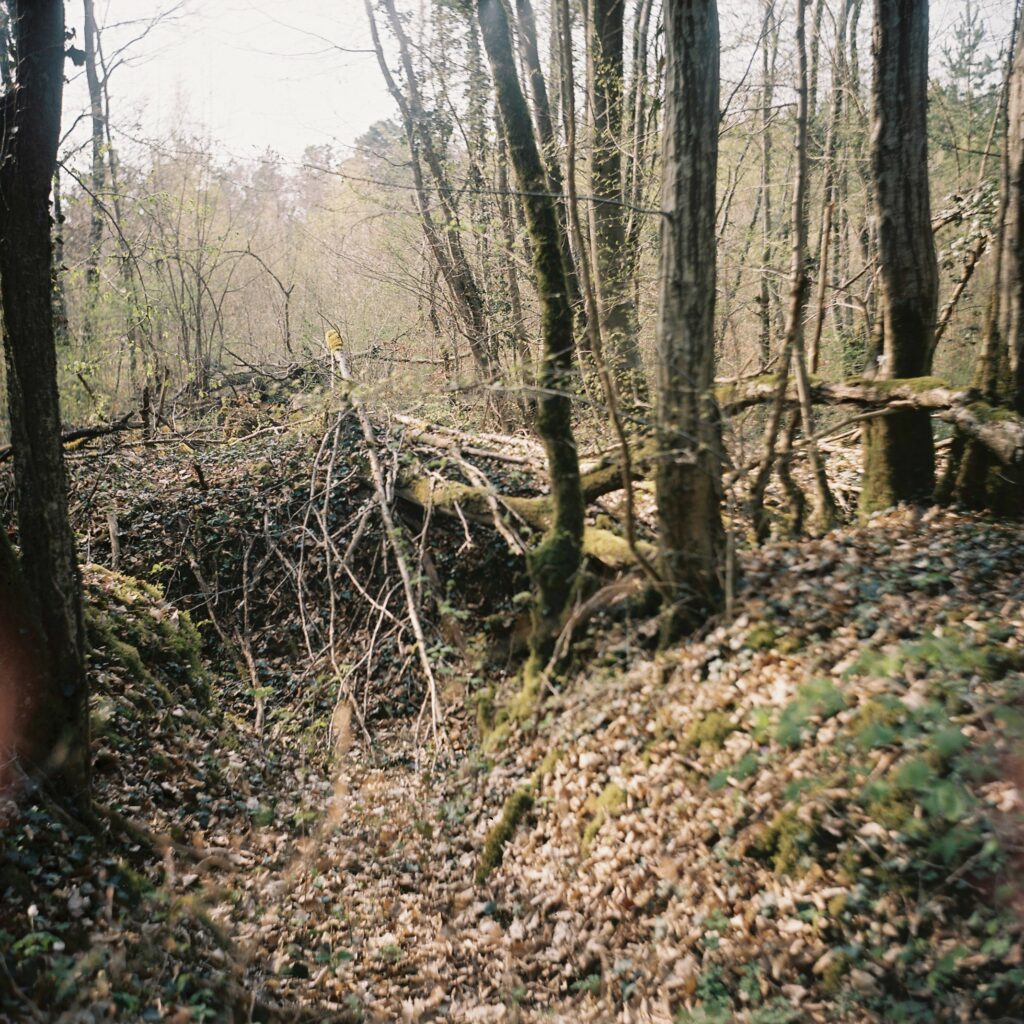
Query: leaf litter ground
[810,813]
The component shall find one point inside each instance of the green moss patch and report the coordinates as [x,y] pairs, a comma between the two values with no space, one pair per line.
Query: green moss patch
[711,732]
[518,805]
[610,803]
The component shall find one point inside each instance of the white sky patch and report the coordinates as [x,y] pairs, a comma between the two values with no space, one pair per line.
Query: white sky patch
[252,74]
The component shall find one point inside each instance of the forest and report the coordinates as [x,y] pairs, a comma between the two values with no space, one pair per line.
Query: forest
[551,551]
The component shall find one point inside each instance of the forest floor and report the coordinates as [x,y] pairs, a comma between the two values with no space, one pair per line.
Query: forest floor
[811,812]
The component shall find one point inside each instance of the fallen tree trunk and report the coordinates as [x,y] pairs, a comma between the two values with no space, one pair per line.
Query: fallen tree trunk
[999,429]
[474,503]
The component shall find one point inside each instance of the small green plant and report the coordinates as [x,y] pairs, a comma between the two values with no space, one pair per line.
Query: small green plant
[590,985]
[819,698]
[712,990]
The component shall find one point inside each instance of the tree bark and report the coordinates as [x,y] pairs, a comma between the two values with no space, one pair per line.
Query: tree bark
[554,565]
[899,456]
[611,261]
[546,134]
[823,515]
[689,433]
[999,372]
[766,294]
[54,718]
[99,167]
[1011,277]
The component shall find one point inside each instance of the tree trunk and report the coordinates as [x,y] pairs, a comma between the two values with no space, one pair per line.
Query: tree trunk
[689,433]
[823,516]
[766,295]
[61,331]
[554,565]
[98,180]
[1000,430]
[899,457]
[611,263]
[1011,280]
[547,136]
[97,177]
[55,719]
[637,139]
[999,373]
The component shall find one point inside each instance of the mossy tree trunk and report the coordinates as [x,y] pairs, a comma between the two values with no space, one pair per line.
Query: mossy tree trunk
[899,455]
[689,433]
[555,563]
[56,717]
[999,374]
[546,133]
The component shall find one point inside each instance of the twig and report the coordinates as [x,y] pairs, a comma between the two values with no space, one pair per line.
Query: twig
[394,540]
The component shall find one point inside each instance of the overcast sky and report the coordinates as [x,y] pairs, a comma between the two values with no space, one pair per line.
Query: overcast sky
[259,74]
[255,73]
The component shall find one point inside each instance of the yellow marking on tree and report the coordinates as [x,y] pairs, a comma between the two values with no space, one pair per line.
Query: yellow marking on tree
[334,341]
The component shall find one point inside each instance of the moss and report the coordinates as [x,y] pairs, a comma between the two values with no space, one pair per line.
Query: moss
[101,635]
[732,392]
[834,973]
[892,808]
[985,413]
[131,883]
[612,550]
[518,805]
[763,637]
[710,733]
[101,715]
[903,384]
[610,803]
[876,721]
[785,841]
[130,621]
[837,905]
[485,712]
[899,457]
[524,703]
[551,758]
[495,739]
[428,491]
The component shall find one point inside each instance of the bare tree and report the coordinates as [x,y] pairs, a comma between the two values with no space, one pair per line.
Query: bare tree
[689,433]
[442,230]
[999,371]
[794,349]
[611,260]
[97,119]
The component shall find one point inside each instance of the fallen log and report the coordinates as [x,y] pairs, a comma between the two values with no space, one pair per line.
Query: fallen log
[999,429]
[475,503]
